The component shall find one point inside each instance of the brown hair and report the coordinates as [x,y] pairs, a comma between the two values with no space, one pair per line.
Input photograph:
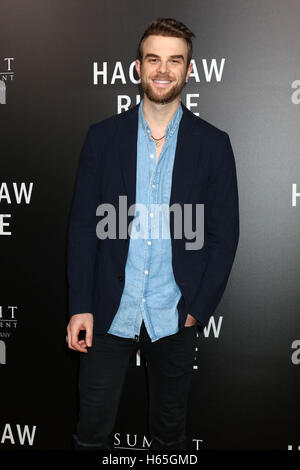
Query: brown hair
[168,27]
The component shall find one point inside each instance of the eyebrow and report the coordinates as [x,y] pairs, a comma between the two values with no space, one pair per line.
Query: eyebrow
[172,56]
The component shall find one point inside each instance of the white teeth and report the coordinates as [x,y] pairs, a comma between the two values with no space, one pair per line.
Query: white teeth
[162,81]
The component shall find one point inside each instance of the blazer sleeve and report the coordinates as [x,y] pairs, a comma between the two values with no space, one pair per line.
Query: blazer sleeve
[221,231]
[82,237]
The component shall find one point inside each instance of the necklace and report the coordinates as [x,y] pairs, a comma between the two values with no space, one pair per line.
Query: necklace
[157,140]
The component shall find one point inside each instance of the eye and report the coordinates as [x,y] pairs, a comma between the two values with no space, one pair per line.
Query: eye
[175,61]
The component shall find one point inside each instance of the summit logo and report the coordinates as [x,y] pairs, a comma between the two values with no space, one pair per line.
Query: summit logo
[6,75]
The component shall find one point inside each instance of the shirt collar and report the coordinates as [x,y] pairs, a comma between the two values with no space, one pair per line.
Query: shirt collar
[171,127]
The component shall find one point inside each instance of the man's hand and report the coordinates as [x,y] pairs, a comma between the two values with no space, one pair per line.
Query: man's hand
[190,320]
[80,321]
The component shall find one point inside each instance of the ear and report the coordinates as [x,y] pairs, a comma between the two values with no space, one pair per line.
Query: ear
[189,70]
[138,67]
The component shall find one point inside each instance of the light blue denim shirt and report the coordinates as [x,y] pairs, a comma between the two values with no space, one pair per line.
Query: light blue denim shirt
[150,291]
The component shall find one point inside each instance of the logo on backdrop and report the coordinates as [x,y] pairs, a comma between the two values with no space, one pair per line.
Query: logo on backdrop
[291,447]
[104,74]
[295,357]
[6,75]
[295,194]
[22,435]
[295,96]
[129,441]
[17,193]
[8,324]
[2,352]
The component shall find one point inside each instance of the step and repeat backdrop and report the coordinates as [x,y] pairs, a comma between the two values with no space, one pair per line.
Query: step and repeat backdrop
[67,64]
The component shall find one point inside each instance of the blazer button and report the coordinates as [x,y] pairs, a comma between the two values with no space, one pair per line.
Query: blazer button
[121,278]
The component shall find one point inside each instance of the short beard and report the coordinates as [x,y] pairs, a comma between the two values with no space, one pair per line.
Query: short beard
[166,98]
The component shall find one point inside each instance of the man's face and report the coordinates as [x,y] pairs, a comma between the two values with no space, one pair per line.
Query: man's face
[163,71]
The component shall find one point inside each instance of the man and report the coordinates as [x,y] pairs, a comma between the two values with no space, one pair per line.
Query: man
[144,292]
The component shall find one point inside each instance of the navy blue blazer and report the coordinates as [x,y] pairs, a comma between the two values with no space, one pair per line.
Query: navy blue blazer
[204,172]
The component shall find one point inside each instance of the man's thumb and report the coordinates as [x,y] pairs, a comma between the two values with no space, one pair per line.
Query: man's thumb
[88,337]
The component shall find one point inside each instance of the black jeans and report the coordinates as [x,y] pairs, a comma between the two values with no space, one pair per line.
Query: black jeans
[101,377]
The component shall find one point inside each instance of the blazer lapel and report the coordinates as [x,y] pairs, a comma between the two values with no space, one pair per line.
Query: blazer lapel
[186,154]
[127,152]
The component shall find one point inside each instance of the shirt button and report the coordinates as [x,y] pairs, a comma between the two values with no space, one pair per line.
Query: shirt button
[151,214]
[146,272]
[153,186]
[144,300]
[149,242]
[151,156]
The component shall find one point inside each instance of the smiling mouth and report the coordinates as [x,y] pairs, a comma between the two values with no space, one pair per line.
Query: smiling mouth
[162,83]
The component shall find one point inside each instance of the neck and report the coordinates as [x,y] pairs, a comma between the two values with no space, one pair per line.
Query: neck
[159,115]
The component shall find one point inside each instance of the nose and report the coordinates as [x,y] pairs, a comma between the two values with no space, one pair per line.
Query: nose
[163,68]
